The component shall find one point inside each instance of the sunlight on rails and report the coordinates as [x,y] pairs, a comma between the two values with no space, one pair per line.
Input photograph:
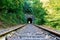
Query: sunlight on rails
[6,36]
[2,38]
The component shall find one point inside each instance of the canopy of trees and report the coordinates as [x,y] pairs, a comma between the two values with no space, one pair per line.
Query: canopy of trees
[12,12]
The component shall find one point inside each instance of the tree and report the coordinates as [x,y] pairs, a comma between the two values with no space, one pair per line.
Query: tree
[38,12]
[11,13]
[53,11]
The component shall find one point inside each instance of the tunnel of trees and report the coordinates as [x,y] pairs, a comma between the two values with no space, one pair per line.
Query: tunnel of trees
[12,12]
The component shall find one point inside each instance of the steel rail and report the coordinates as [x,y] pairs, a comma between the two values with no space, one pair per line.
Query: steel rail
[7,32]
[49,30]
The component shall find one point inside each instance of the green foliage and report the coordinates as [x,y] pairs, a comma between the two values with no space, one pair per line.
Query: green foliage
[53,13]
[38,12]
[34,7]
[11,12]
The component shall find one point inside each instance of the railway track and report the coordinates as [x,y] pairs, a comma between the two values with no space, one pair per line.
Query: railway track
[32,32]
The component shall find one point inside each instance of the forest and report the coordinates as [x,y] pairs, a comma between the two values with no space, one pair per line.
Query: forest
[12,12]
